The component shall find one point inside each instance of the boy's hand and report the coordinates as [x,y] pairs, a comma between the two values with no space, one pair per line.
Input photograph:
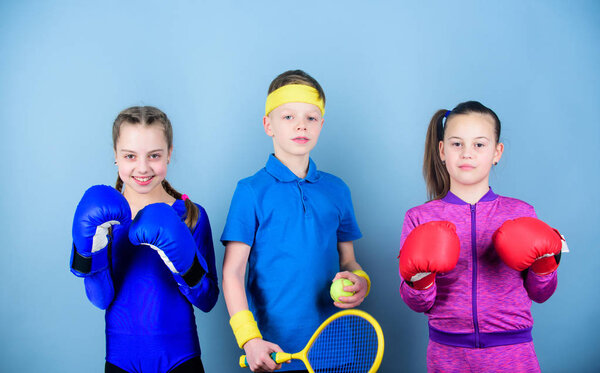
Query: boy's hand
[258,355]
[359,288]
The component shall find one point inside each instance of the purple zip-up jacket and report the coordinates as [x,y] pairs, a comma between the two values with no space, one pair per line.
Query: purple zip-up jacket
[481,302]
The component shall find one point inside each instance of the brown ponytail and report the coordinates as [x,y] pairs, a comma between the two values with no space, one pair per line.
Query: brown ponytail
[435,173]
[119,184]
[192,210]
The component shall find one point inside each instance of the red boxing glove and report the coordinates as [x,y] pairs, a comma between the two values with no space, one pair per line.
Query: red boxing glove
[430,248]
[528,242]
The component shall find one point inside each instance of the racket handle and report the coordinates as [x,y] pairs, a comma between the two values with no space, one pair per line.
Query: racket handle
[281,357]
[278,357]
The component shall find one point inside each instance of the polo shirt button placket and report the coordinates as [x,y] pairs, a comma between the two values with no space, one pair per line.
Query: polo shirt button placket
[307,213]
[303,198]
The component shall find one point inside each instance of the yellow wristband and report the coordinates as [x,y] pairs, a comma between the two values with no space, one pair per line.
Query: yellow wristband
[363,274]
[244,327]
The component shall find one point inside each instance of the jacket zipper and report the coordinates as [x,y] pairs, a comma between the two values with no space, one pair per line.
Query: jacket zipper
[474,285]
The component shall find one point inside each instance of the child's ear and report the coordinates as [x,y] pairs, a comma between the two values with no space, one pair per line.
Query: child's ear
[267,126]
[498,153]
[441,150]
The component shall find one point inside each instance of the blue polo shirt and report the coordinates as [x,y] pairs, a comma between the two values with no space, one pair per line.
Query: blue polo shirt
[293,226]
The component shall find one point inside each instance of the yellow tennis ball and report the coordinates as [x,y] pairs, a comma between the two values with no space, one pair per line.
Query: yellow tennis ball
[337,289]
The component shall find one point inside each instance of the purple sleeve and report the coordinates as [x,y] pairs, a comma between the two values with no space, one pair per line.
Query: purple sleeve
[540,288]
[203,295]
[416,300]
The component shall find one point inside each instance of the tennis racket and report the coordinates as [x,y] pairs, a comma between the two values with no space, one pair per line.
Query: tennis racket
[349,341]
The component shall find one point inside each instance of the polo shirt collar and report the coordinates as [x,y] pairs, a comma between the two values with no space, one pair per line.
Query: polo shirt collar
[280,171]
[455,200]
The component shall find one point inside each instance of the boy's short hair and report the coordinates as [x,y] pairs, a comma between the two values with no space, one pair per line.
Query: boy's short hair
[296,77]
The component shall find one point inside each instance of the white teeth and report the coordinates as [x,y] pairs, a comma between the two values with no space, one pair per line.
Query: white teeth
[142,179]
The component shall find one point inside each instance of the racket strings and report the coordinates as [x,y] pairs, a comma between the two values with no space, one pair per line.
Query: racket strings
[347,345]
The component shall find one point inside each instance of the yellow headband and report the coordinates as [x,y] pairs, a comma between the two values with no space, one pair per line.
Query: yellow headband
[294,93]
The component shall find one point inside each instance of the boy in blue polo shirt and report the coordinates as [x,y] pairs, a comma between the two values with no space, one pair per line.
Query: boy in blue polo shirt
[294,225]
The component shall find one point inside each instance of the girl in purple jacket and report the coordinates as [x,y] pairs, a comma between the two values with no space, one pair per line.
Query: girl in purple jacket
[478,306]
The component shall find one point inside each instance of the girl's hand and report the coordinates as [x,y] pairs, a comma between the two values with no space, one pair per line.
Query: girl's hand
[359,288]
[100,208]
[159,227]
[258,355]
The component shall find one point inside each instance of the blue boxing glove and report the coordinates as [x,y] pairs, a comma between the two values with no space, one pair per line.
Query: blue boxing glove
[100,208]
[158,226]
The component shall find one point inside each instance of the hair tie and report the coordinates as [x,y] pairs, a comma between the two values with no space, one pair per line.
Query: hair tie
[445,118]
[441,125]
[185,197]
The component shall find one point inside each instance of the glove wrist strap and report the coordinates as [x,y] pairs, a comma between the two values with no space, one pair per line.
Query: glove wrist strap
[194,274]
[84,265]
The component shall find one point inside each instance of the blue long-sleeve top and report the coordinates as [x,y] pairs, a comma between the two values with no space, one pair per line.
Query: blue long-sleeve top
[149,315]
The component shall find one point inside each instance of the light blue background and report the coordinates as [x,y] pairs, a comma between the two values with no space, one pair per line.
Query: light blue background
[68,67]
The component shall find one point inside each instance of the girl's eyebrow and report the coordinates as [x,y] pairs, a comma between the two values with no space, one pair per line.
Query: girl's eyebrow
[460,138]
[151,151]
